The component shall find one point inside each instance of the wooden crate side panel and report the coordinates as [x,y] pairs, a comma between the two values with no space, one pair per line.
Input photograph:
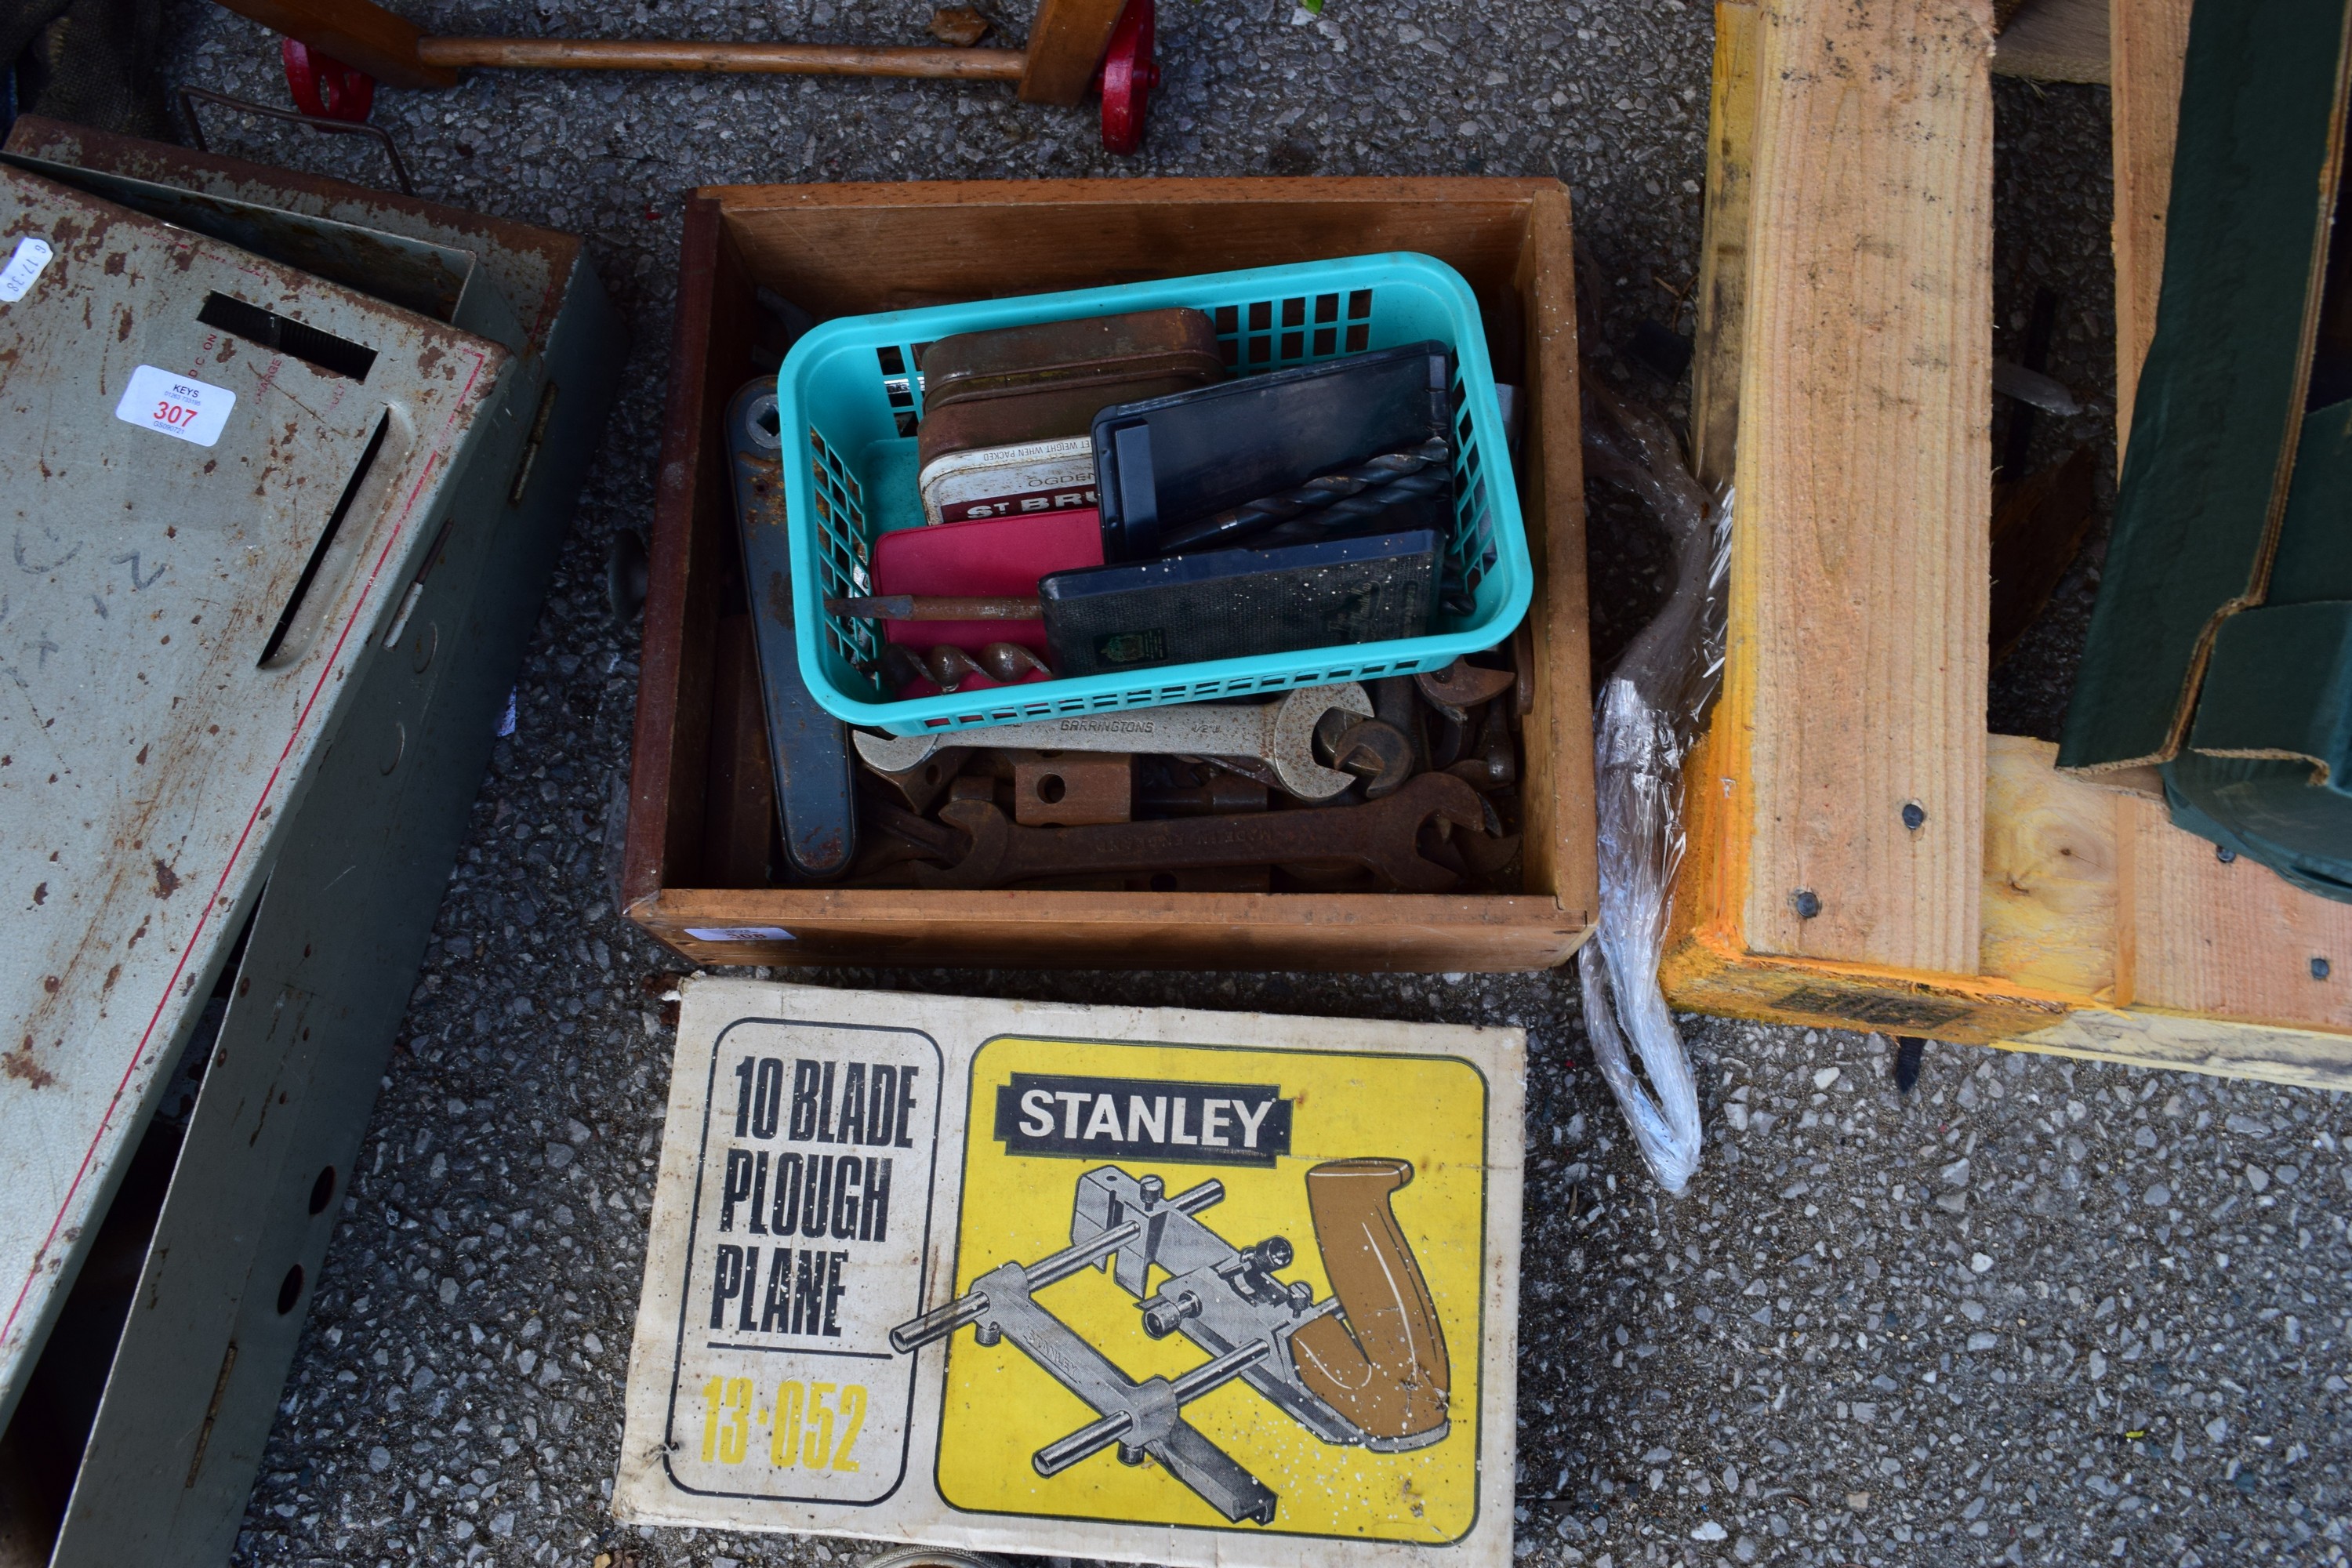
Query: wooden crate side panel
[1558,735]
[2085,892]
[1115,930]
[1861,574]
[1703,930]
[829,244]
[671,734]
[1703,976]
[2148,43]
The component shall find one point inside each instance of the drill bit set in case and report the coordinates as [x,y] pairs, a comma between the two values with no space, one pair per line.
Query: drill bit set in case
[1144,1286]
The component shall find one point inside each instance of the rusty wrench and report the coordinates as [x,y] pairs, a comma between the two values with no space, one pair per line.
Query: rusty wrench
[1381,837]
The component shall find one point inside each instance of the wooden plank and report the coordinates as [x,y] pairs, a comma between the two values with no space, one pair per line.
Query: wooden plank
[1364,933]
[668,749]
[2086,894]
[353,31]
[2148,41]
[1859,581]
[2108,933]
[834,249]
[2050,874]
[2152,1039]
[1066,44]
[2048,897]
[1559,852]
[1723,247]
[2230,940]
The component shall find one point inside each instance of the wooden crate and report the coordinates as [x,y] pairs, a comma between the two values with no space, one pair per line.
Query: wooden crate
[839,249]
[1843,382]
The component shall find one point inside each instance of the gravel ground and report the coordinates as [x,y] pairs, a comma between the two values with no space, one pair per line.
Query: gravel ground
[2036,1311]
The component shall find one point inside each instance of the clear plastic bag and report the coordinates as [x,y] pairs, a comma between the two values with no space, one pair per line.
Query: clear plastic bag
[1649,711]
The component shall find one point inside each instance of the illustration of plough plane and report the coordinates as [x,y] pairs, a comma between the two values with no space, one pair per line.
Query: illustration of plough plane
[1365,1365]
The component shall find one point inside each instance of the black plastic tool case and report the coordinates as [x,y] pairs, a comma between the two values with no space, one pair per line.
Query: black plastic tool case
[1176,459]
[1230,604]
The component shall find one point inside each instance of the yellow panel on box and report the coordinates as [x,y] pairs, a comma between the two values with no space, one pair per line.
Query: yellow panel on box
[1361,1178]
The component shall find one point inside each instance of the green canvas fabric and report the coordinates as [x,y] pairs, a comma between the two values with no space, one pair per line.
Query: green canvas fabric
[2279,683]
[2221,397]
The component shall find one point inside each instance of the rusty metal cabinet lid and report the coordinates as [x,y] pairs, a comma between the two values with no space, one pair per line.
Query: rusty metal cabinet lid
[218,473]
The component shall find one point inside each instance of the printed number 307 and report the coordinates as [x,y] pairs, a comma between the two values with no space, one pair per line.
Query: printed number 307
[801,1421]
[173,414]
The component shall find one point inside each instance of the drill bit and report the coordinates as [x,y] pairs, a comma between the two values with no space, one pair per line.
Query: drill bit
[1350,495]
[947,666]
[931,607]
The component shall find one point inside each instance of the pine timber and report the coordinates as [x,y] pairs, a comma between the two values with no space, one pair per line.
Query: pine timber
[1723,248]
[1860,594]
[2103,931]
[2148,42]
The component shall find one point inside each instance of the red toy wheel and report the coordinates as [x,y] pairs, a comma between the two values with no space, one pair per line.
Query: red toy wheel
[324,86]
[1128,76]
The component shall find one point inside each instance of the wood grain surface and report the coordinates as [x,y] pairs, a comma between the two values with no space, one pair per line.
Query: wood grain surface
[2147,41]
[1722,296]
[2050,874]
[1027,929]
[1066,42]
[2230,939]
[685,55]
[2054,40]
[1859,575]
[1558,836]
[2103,931]
[354,32]
[837,249]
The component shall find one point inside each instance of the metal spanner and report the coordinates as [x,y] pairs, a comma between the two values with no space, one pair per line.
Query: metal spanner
[816,793]
[1281,734]
[1382,835]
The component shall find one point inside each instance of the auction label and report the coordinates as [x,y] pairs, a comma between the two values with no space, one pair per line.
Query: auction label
[807,1244]
[176,405]
[24,268]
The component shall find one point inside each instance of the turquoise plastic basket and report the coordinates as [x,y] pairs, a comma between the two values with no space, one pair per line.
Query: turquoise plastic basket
[853,386]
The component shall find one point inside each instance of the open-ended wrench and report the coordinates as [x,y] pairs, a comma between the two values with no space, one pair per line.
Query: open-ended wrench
[1382,835]
[1281,732]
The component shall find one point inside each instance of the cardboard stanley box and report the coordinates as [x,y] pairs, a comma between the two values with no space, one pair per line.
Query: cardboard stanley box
[1177,1287]
[699,811]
